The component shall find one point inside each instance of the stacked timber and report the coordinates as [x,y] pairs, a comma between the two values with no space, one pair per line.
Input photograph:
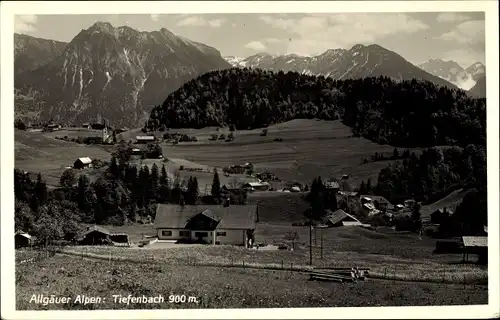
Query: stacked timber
[340,274]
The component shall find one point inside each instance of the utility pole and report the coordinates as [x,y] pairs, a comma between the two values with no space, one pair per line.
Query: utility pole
[321,243]
[310,242]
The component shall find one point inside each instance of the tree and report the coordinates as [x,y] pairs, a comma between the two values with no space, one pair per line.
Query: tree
[154,182]
[395,154]
[192,192]
[40,190]
[416,217]
[154,150]
[368,185]
[292,237]
[68,179]
[316,198]
[123,152]
[114,170]
[215,191]
[164,192]
[85,197]
[19,124]
[362,187]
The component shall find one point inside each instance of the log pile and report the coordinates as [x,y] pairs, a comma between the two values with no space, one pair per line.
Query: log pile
[340,274]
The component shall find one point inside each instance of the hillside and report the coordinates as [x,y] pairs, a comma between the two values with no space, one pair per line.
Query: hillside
[408,113]
[358,62]
[450,202]
[31,53]
[35,152]
[117,73]
[479,89]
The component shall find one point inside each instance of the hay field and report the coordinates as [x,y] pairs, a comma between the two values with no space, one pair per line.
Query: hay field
[35,152]
[309,148]
[204,177]
[247,288]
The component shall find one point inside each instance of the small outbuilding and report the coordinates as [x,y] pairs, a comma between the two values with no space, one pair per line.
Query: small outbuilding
[22,239]
[145,139]
[82,163]
[475,245]
[261,186]
[95,235]
[340,218]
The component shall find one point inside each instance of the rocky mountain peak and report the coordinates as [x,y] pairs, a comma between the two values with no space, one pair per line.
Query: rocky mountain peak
[119,73]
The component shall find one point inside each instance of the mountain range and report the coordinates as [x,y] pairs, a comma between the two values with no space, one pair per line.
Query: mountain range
[360,61]
[118,74]
[454,73]
[31,53]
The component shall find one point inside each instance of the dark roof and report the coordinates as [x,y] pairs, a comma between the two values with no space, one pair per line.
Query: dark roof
[210,214]
[339,215]
[95,228]
[232,217]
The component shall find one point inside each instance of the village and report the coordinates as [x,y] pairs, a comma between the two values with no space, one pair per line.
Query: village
[259,217]
[237,223]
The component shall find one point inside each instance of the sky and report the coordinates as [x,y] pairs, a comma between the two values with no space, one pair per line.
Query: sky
[418,37]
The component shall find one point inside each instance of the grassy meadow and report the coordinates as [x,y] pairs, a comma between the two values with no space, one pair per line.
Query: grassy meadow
[248,288]
[309,148]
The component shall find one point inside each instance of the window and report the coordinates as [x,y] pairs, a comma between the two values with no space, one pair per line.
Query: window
[201,234]
[221,234]
[166,233]
[184,233]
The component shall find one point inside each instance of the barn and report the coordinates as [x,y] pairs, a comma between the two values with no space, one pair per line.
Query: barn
[81,163]
[22,239]
[260,186]
[210,224]
[340,218]
[96,235]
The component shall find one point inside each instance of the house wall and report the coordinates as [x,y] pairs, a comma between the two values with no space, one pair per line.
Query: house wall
[175,234]
[208,238]
[232,236]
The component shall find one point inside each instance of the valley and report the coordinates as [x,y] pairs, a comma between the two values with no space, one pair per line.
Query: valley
[148,162]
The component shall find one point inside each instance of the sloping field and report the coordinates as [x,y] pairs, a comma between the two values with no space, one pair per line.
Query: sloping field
[236,288]
[451,201]
[279,207]
[35,153]
[204,176]
[309,148]
[73,133]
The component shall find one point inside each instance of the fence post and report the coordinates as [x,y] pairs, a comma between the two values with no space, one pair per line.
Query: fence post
[282,264]
[243,264]
[464,280]
[291,266]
